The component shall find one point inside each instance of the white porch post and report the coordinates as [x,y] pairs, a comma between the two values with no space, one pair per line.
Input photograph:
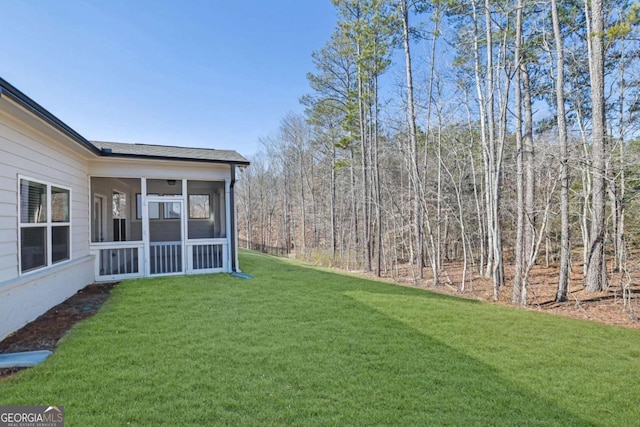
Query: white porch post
[227,202]
[145,225]
[185,227]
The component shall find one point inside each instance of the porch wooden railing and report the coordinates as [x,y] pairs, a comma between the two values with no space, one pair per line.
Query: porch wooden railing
[123,260]
[118,260]
[165,257]
[208,255]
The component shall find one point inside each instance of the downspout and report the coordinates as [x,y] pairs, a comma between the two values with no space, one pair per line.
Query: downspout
[232,217]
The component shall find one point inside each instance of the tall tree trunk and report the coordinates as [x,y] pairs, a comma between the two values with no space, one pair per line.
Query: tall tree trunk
[303,199]
[565,249]
[482,106]
[333,201]
[435,244]
[364,151]
[519,253]
[354,235]
[413,141]
[376,176]
[620,210]
[596,277]
[586,177]
[493,163]
[529,182]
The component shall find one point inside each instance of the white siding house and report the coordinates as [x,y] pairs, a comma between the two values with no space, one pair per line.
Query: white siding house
[73,211]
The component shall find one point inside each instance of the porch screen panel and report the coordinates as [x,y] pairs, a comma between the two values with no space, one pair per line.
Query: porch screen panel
[206,209]
[116,215]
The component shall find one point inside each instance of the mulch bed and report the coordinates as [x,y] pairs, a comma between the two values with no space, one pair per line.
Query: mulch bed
[45,332]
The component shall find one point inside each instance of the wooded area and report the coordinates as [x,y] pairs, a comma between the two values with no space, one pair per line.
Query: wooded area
[478,132]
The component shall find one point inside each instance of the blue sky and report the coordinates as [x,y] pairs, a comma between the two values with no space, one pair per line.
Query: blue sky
[218,74]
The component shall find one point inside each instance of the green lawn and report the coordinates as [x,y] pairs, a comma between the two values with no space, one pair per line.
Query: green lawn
[303,346]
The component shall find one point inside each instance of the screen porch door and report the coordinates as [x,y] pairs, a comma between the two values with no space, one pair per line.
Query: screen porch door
[165,246]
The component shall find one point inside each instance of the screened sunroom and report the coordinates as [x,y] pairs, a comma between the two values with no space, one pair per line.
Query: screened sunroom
[159,226]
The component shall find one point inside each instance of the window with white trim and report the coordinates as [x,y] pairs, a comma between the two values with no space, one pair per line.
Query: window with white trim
[45,224]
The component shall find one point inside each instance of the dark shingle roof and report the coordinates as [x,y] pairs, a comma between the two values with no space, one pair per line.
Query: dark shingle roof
[169,152]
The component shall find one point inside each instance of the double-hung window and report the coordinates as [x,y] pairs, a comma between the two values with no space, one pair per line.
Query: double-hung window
[45,224]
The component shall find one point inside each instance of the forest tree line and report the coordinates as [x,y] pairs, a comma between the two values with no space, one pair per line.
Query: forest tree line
[479,132]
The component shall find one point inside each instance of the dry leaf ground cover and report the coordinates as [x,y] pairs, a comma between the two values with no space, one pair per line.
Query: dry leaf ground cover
[611,306]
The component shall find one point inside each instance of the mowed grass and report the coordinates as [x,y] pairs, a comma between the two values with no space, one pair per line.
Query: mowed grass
[298,345]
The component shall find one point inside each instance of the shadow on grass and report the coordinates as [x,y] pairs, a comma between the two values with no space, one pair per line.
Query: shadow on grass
[480,393]
[443,379]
